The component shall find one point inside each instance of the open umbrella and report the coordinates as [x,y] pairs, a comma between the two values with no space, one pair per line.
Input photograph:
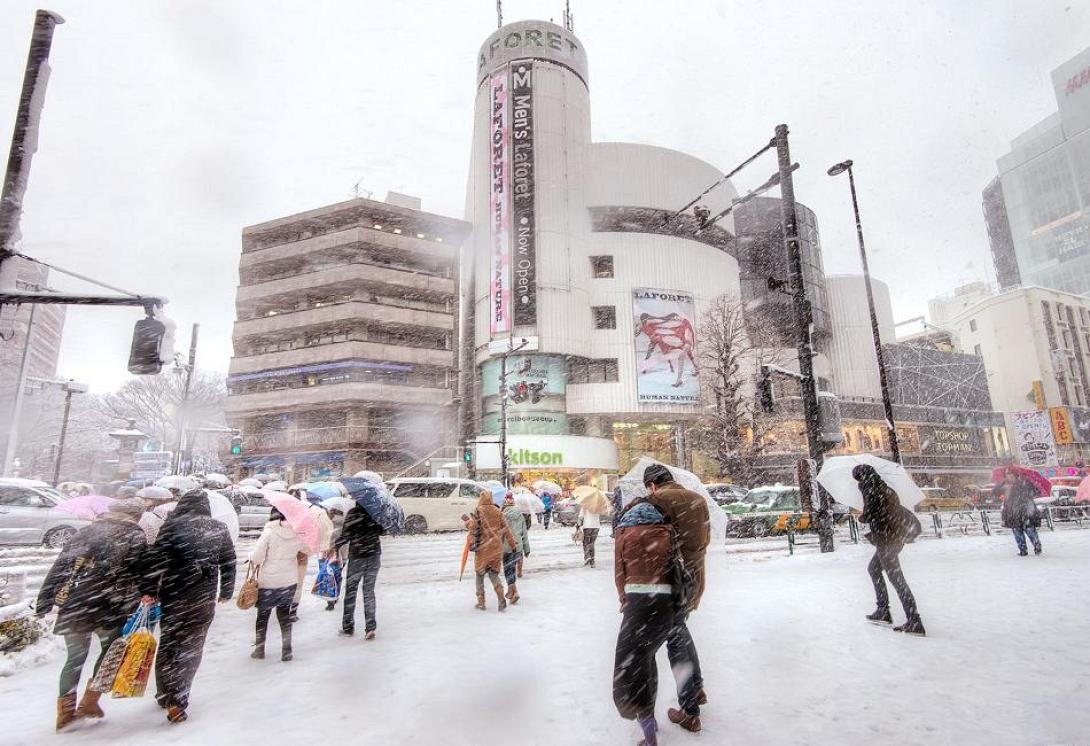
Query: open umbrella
[1082,494]
[277,486]
[370,476]
[632,487]
[264,478]
[155,493]
[551,488]
[343,504]
[297,514]
[377,501]
[216,480]
[1040,483]
[222,509]
[174,482]
[499,492]
[326,489]
[527,502]
[85,507]
[591,499]
[836,477]
[250,482]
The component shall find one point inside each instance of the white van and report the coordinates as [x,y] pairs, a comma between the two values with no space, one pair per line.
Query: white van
[435,504]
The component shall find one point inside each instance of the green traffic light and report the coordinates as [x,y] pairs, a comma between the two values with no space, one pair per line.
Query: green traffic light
[236,450]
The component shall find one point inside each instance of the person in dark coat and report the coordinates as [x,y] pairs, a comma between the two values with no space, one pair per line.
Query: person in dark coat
[362,535]
[191,563]
[641,565]
[96,583]
[1020,512]
[891,525]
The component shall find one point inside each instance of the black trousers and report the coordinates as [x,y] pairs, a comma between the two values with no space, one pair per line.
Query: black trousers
[885,560]
[685,663]
[648,619]
[283,618]
[363,569]
[590,535]
[181,646]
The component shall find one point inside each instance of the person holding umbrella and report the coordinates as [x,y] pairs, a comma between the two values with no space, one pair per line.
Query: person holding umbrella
[891,525]
[276,558]
[1020,513]
[513,553]
[191,564]
[592,506]
[488,532]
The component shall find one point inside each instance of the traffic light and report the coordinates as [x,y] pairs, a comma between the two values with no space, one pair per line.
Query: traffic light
[765,393]
[145,355]
[467,454]
[236,444]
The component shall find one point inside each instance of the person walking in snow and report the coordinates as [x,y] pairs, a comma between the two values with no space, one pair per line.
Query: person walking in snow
[642,572]
[488,531]
[1020,512]
[891,526]
[276,559]
[592,506]
[96,584]
[547,501]
[687,512]
[362,536]
[191,564]
[513,552]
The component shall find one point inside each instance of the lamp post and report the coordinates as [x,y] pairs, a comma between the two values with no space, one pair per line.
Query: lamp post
[887,403]
[70,387]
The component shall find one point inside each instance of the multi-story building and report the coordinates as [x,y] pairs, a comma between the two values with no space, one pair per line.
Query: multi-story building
[344,344]
[1038,214]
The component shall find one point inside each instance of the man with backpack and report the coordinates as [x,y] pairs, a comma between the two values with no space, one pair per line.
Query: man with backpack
[687,512]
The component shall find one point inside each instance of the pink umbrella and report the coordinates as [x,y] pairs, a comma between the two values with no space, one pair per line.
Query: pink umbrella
[1040,483]
[297,514]
[1082,495]
[85,507]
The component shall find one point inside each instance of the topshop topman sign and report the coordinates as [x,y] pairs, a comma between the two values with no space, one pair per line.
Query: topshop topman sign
[531,39]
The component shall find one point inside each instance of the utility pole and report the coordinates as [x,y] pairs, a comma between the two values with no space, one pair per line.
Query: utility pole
[185,398]
[20,394]
[70,387]
[804,324]
[505,463]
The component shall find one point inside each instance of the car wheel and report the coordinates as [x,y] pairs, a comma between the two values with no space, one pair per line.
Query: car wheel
[58,537]
[416,524]
[761,529]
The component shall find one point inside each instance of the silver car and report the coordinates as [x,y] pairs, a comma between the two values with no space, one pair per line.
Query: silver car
[28,515]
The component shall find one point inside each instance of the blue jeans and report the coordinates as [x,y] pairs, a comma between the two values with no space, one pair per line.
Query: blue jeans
[1020,535]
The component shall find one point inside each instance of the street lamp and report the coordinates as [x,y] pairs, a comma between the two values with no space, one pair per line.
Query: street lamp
[69,387]
[887,403]
[505,464]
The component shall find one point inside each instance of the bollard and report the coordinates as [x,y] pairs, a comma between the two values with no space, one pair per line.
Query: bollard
[1048,518]
[985,524]
[790,542]
[937,521]
[853,529]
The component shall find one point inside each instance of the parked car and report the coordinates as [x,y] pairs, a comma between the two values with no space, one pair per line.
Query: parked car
[772,510]
[435,504]
[252,508]
[726,494]
[936,498]
[28,514]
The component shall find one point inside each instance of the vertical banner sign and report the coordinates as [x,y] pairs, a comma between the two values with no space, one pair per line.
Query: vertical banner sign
[1034,445]
[665,347]
[1061,426]
[523,193]
[500,176]
[1039,395]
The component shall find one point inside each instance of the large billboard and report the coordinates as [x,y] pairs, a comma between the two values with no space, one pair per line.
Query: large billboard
[665,347]
[513,194]
[1034,445]
[536,389]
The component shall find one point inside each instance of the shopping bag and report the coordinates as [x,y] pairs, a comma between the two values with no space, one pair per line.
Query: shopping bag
[327,583]
[111,662]
[247,595]
[135,669]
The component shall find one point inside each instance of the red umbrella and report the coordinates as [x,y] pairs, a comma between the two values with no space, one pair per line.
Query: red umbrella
[1042,485]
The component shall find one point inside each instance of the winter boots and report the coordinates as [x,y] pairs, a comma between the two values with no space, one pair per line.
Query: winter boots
[176,714]
[499,597]
[690,723]
[880,616]
[912,627]
[512,594]
[650,730]
[88,705]
[480,602]
[66,710]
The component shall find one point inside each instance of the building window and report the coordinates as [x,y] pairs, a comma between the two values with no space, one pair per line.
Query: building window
[601,267]
[976,351]
[972,325]
[605,317]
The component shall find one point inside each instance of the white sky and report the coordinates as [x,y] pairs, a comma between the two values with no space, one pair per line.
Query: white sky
[170,126]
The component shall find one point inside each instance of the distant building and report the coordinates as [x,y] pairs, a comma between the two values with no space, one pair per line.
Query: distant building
[1038,214]
[344,344]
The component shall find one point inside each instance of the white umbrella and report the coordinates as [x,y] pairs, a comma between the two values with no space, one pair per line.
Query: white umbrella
[250,482]
[222,511]
[528,502]
[216,480]
[551,488]
[265,478]
[182,484]
[155,493]
[836,477]
[632,487]
[343,504]
[277,486]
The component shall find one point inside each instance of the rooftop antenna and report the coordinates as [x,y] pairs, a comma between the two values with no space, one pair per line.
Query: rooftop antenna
[569,21]
[356,190]
[499,13]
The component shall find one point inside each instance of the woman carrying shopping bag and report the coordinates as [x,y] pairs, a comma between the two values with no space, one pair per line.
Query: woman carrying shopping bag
[276,559]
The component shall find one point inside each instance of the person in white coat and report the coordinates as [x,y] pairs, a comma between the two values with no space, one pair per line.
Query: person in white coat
[277,556]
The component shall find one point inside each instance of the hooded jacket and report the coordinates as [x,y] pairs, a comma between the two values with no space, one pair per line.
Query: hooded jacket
[687,512]
[641,549]
[361,533]
[191,558]
[517,524]
[96,579]
[275,552]
[489,526]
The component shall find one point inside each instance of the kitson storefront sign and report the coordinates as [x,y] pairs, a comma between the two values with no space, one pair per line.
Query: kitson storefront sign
[513,286]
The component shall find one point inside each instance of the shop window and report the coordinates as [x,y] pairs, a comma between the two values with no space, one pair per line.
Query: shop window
[605,317]
[577,370]
[972,325]
[601,267]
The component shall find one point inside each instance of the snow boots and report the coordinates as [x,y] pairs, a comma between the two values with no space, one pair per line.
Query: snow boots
[880,616]
[499,597]
[650,731]
[912,627]
[66,710]
[512,594]
[480,602]
[176,714]
[690,723]
[88,705]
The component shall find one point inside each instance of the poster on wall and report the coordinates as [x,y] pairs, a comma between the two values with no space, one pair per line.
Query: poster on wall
[536,389]
[1033,442]
[499,294]
[665,347]
[523,194]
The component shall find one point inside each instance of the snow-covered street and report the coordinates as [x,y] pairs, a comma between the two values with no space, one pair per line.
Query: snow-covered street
[787,657]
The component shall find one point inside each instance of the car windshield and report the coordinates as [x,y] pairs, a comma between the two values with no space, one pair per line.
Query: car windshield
[51,494]
[763,497]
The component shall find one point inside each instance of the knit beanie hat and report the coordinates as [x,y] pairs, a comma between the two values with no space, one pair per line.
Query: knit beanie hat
[132,507]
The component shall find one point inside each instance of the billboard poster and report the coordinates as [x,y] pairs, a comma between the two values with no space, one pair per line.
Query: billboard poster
[1061,426]
[500,209]
[523,194]
[536,389]
[1033,442]
[665,347]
